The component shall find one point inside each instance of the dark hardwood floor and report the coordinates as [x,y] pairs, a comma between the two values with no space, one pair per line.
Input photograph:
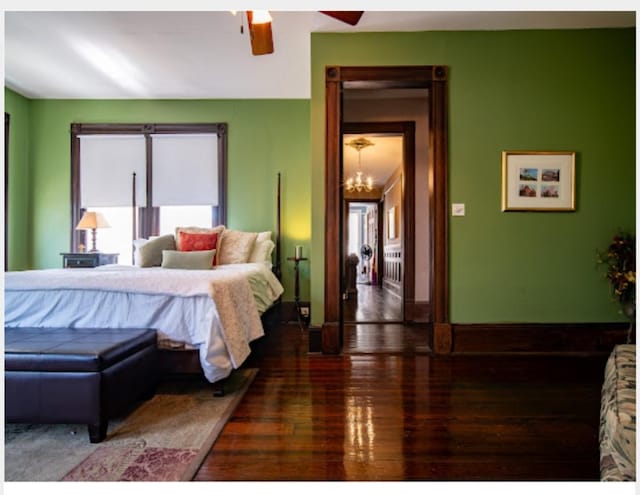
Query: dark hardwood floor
[372,304]
[397,412]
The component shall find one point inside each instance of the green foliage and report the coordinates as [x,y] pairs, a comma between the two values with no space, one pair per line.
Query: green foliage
[619,261]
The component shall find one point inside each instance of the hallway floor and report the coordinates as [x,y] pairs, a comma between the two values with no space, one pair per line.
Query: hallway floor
[372,304]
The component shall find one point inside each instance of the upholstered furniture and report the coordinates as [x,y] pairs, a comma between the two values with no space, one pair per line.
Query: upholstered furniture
[60,375]
[618,416]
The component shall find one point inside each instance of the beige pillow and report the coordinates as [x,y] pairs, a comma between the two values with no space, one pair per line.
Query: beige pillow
[236,246]
[150,252]
[261,247]
[188,260]
[262,251]
[264,236]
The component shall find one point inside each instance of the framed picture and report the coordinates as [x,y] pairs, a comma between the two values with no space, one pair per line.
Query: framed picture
[538,180]
[391,223]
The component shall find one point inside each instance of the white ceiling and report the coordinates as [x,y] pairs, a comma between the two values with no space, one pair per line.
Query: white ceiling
[201,54]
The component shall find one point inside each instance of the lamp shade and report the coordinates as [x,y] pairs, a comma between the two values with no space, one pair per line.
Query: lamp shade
[92,220]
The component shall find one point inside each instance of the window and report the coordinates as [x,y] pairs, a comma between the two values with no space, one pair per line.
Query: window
[184,216]
[118,238]
[146,179]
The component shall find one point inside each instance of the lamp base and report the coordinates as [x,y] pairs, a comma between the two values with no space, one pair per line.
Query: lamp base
[93,241]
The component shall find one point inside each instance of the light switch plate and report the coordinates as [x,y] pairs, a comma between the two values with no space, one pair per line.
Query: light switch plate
[457,209]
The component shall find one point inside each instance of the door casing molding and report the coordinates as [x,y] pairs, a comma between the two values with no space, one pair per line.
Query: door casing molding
[434,78]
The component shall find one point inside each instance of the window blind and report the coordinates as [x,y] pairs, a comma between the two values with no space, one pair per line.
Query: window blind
[185,169]
[107,164]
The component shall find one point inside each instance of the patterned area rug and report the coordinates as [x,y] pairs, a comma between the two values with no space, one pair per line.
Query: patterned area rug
[163,439]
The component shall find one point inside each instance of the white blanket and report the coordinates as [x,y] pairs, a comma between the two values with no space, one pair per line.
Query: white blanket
[214,310]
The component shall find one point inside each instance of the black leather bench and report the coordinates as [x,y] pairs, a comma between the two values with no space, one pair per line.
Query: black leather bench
[77,375]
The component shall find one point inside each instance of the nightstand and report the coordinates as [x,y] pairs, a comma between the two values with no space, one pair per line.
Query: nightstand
[87,260]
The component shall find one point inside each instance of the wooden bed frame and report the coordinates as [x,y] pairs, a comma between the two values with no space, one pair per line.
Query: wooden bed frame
[186,362]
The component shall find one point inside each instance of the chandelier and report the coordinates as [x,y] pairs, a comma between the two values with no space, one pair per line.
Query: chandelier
[358,183]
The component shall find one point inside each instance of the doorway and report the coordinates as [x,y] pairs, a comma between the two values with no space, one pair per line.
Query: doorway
[433,78]
[368,297]
[378,220]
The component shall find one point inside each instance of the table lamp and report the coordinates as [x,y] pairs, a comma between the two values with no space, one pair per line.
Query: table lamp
[92,220]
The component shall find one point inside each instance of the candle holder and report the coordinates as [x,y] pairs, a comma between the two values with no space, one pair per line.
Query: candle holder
[296,260]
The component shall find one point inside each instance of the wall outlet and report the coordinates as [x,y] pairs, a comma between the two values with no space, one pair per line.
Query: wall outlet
[304,311]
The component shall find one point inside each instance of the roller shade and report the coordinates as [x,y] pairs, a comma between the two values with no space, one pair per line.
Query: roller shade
[185,169]
[107,163]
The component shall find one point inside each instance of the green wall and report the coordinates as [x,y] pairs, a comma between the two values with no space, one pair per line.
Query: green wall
[265,137]
[508,90]
[512,90]
[19,207]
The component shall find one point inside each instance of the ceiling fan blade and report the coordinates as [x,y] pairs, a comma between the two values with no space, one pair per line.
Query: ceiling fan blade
[261,36]
[351,17]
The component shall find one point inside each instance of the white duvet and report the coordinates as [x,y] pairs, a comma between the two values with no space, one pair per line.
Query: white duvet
[217,311]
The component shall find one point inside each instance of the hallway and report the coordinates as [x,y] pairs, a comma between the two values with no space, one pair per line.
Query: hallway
[372,304]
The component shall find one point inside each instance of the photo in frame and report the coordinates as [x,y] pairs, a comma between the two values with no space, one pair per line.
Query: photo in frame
[538,181]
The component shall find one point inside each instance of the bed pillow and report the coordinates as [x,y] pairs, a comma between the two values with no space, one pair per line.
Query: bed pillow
[149,252]
[236,246]
[188,260]
[264,236]
[192,241]
[137,244]
[256,255]
[218,230]
[198,230]
[262,251]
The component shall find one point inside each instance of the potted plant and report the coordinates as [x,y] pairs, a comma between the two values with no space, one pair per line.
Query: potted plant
[619,261]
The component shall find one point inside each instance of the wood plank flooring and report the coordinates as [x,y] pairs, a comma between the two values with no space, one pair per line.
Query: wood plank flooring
[372,304]
[401,413]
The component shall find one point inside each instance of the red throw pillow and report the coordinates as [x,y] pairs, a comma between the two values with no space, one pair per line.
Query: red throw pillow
[192,241]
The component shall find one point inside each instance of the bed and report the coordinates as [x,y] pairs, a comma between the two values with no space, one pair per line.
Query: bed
[214,311]
[206,311]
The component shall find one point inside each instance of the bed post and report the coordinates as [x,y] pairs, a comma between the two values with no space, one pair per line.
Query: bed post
[277,266]
[134,228]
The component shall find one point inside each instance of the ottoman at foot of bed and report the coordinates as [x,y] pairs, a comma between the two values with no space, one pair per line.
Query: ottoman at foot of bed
[77,375]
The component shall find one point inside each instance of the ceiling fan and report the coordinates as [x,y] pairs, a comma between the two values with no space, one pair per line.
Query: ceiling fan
[259,22]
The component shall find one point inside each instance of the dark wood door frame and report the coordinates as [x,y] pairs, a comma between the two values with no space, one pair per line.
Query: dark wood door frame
[435,79]
[407,129]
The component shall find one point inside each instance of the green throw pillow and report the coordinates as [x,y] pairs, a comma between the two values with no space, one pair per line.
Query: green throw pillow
[188,260]
[150,253]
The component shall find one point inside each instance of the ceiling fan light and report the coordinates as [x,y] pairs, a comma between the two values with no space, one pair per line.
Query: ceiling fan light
[261,17]
[260,33]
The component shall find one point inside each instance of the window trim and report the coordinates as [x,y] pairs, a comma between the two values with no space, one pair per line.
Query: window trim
[148,216]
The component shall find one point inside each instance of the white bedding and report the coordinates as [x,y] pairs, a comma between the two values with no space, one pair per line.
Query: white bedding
[217,311]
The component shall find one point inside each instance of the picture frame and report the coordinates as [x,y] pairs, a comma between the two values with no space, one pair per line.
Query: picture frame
[538,181]
[391,223]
